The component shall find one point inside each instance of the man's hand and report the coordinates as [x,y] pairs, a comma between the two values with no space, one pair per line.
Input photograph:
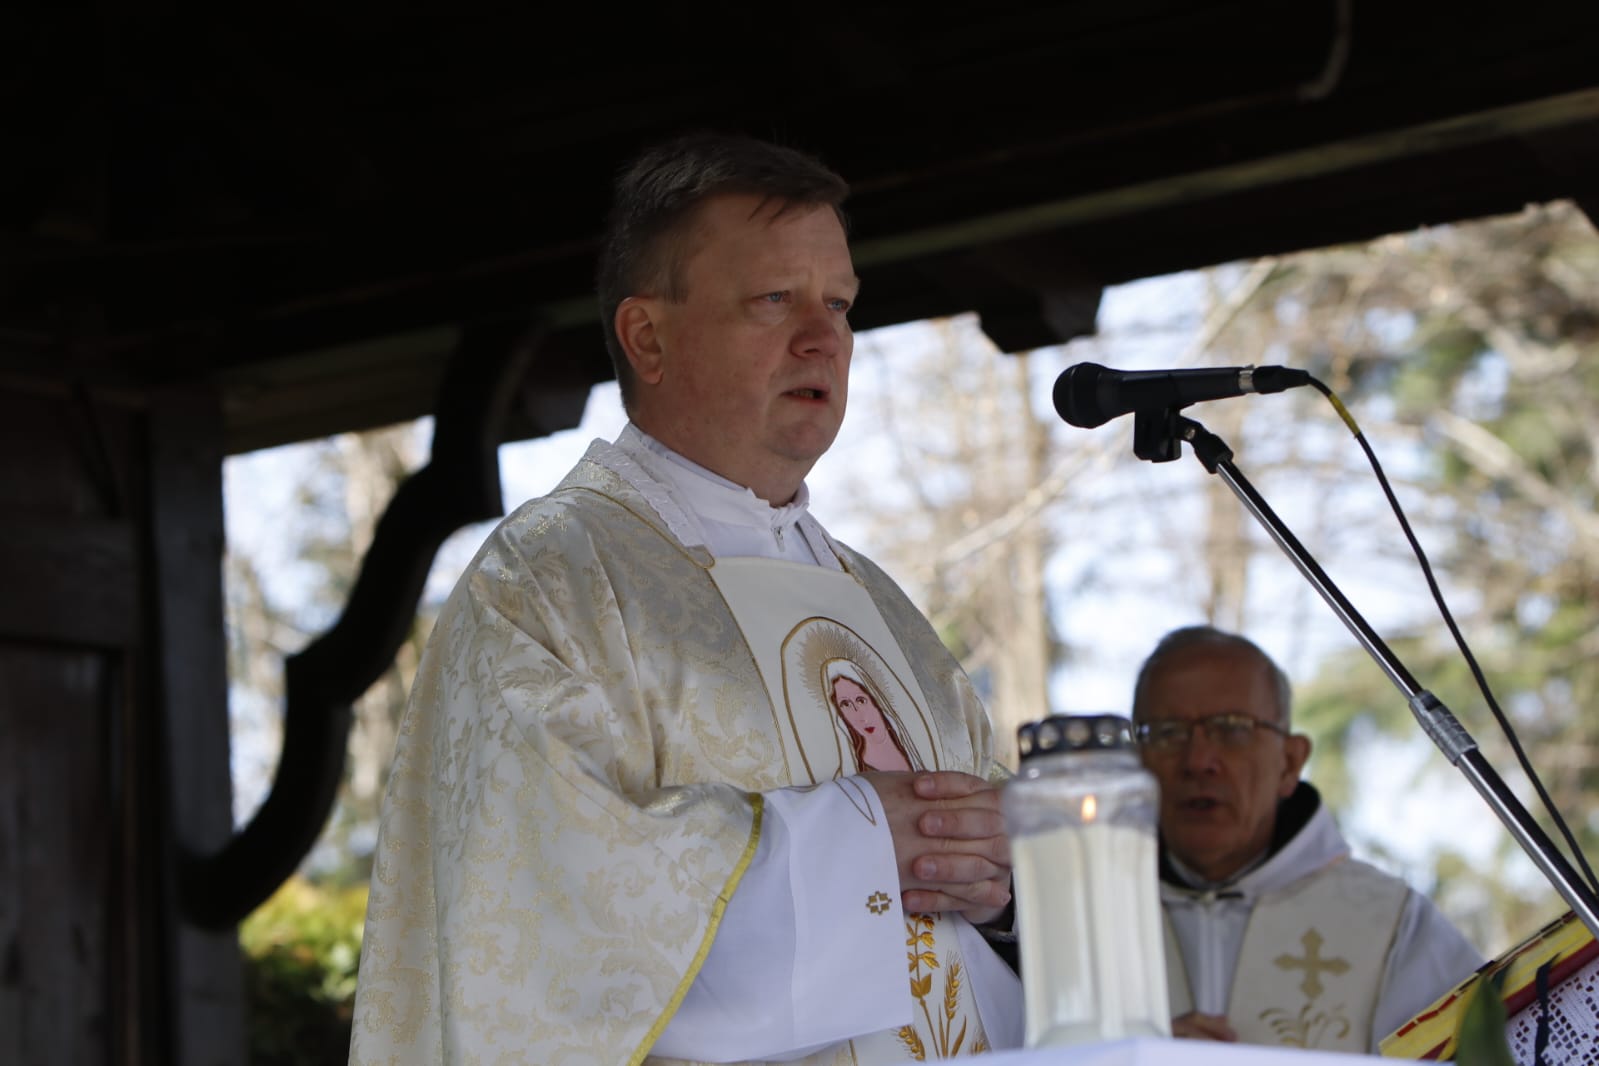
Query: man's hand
[1197,1026]
[949,842]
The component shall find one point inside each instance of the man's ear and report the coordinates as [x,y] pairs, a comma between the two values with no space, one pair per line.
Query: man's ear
[636,325]
[1296,752]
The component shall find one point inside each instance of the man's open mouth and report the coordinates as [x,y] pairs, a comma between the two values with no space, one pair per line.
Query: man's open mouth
[808,394]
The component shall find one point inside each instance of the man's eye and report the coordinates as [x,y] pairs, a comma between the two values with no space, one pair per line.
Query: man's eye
[1234,729]
[774,297]
[840,305]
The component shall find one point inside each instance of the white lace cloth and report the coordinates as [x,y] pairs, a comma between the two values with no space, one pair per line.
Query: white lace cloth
[1573,1023]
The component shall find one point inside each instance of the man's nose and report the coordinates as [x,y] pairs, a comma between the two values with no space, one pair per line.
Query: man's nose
[1199,753]
[822,332]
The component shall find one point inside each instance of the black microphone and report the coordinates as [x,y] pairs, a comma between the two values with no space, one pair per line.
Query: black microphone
[1089,395]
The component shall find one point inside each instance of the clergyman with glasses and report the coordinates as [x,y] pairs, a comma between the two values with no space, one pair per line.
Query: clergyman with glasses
[1275,934]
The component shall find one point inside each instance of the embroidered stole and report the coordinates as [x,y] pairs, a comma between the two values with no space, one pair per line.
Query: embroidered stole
[846,700]
[1311,961]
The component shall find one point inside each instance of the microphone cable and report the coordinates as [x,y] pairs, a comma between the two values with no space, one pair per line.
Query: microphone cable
[1454,630]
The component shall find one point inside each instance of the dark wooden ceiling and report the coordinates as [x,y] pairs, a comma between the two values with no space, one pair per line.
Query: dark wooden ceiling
[306,205]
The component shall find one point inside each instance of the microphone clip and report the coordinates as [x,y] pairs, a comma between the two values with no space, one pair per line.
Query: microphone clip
[1158,435]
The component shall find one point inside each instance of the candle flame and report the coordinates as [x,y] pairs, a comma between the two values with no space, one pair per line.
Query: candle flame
[1090,808]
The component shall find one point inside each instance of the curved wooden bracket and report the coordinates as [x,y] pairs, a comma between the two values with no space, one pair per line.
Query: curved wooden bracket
[459,485]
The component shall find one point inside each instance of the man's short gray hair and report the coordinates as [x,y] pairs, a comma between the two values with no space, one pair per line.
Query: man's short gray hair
[1210,637]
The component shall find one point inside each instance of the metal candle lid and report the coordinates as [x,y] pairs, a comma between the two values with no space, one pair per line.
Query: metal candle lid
[1062,733]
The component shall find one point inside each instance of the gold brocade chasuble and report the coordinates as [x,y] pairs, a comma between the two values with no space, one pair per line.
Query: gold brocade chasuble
[844,700]
[577,785]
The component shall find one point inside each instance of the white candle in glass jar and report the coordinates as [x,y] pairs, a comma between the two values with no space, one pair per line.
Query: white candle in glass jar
[1092,947]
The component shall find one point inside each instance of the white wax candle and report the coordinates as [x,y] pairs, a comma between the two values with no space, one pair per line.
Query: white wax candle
[1093,955]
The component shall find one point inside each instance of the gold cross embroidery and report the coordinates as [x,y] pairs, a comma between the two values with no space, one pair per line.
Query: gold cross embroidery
[1313,964]
[878,902]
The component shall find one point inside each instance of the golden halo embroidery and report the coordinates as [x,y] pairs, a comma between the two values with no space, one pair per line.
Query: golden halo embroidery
[878,902]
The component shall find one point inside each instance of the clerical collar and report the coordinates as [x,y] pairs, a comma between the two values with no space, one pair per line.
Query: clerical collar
[1189,879]
[721,506]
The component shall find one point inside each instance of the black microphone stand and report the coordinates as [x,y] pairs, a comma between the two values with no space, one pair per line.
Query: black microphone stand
[1158,437]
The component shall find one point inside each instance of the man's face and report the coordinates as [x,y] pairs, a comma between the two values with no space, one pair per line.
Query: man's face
[1218,804]
[749,373]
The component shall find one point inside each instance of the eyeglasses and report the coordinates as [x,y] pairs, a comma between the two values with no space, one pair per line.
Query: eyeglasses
[1230,730]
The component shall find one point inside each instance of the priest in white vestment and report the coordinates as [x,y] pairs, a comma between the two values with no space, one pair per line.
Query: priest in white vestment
[1275,934]
[682,778]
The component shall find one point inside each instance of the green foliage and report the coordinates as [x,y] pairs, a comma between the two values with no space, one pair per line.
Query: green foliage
[1480,1040]
[302,948]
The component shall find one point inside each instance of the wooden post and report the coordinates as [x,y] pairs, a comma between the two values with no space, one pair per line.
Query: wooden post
[113,731]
